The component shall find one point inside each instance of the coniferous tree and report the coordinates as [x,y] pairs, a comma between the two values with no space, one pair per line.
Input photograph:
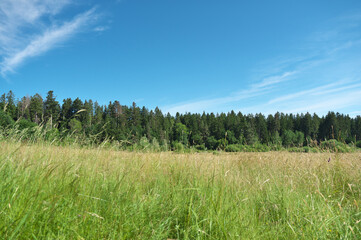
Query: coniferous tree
[51,108]
[306,124]
[11,104]
[36,108]
[86,116]
[130,124]
[2,102]
[251,136]
[329,127]
[356,129]
[23,108]
[76,107]
[261,128]
[66,109]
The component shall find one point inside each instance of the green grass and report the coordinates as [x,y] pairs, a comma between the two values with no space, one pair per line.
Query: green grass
[54,192]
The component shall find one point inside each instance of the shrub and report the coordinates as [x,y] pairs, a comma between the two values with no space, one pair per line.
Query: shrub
[258,147]
[155,145]
[201,147]
[143,144]
[52,134]
[295,149]
[335,146]
[5,120]
[75,125]
[233,148]
[293,138]
[211,143]
[310,150]
[164,146]
[178,147]
[287,138]
[23,123]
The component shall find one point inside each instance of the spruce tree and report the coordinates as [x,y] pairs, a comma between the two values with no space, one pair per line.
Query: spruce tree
[51,108]
[36,108]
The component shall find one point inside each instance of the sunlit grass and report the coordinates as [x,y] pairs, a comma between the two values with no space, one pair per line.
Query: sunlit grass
[54,192]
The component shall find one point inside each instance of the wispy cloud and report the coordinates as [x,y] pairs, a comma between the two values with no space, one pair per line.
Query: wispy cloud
[328,88]
[321,99]
[355,113]
[255,90]
[28,29]
[101,28]
[335,103]
[268,81]
[322,78]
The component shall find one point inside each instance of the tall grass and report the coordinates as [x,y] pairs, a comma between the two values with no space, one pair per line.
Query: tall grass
[62,192]
[49,134]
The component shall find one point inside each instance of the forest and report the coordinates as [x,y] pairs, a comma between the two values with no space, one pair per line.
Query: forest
[78,169]
[137,127]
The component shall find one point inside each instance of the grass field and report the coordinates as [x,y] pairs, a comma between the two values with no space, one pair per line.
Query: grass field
[50,192]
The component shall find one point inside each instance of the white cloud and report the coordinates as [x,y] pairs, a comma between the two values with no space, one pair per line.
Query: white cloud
[284,70]
[28,29]
[355,113]
[17,16]
[334,102]
[274,79]
[208,104]
[318,90]
[101,28]
[320,78]
[336,96]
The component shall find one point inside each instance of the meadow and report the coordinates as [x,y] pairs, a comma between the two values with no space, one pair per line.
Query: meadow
[72,192]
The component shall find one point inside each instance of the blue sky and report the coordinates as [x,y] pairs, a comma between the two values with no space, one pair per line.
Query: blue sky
[187,56]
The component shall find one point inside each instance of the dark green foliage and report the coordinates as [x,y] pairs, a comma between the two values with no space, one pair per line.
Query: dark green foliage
[2,102]
[261,128]
[299,139]
[250,133]
[75,126]
[11,104]
[288,138]
[181,133]
[131,124]
[36,108]
[5,120]
[258,147]
[233,148]
[178,147]
[66,109]
[51,108]
[291,138]
[23,124]
[211,143]
[201,147]
[335,146]
[310,149]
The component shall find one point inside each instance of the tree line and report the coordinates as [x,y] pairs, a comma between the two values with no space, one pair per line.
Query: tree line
[133,124]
